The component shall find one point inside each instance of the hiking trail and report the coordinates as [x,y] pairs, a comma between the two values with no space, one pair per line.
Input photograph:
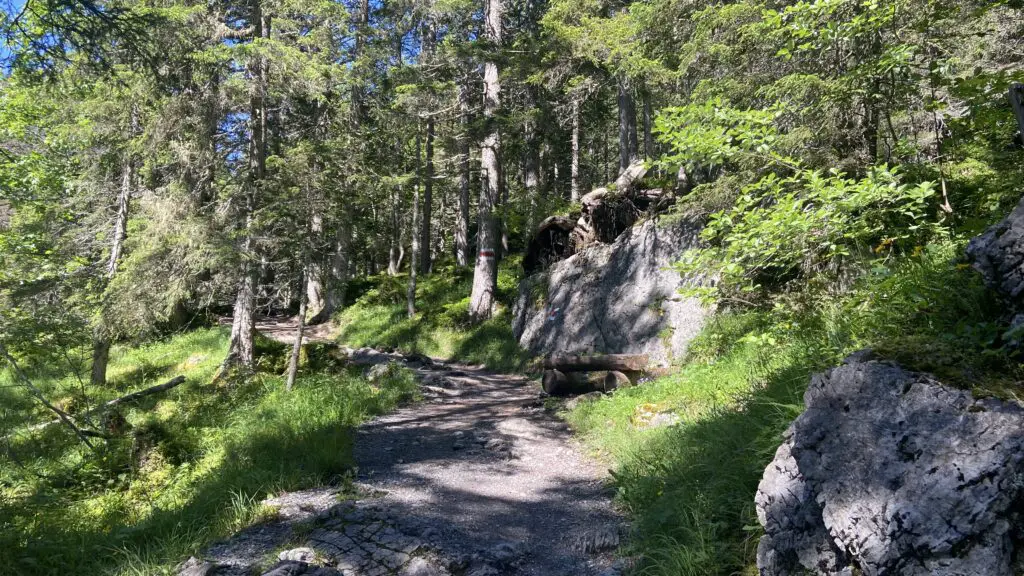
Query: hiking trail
[478,479]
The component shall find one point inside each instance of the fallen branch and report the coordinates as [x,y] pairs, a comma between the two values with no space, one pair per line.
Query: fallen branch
[84,434]
[38,394]
[173,382]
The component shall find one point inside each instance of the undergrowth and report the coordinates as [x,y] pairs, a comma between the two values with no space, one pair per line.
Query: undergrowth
[690,486]
[441,328]
[186,467]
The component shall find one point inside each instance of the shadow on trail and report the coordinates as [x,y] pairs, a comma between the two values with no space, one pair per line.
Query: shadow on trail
[481,464]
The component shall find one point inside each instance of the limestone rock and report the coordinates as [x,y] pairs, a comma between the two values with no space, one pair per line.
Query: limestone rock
[574,403]
[291,568]
[615,298]
[196,567]
[378,371]
[298,555]
[420,567]
[891,472]
[999,255]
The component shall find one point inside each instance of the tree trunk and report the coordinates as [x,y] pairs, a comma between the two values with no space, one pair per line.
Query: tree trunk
[606,156]
[425,260]
[462,220]
[425,178]
[101,342]
[410,293]
[317,283]
[485,275]
[628,149]
[293,363]
[648,128]
[340,263]
[396,251]
[574,165]
[1017,102]
[243,326]
[531,159]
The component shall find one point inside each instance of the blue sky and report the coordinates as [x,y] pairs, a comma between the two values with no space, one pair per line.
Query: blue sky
[9,8]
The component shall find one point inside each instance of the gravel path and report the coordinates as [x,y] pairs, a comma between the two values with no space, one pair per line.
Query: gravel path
[477,480]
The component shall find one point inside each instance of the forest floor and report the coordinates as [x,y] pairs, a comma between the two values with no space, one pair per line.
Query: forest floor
[476,479]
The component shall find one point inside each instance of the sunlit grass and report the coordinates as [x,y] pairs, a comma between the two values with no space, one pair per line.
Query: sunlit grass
[690,486]
[441,327]
[192,464]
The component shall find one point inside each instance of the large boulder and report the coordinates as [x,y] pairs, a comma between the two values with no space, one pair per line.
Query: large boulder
[890,472]
[999,255]
[614,298]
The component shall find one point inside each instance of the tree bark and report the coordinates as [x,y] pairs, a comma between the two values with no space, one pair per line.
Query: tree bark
[531,159]
[396,252]
[317,283]
[426,179]
[101,342]
[425,260]
[462,217]
[410,293]
[243,326]
[485,274]
[1017,102]
[628,149]
[574,164]
[293,362]
[648,127]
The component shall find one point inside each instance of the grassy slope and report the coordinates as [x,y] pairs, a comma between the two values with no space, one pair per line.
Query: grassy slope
[440,328]
[690,486]
[192,467]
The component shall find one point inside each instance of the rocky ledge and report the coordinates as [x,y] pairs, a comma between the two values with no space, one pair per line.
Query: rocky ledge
[890,472]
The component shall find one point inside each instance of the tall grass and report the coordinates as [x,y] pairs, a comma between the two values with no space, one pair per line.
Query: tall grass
[192,465]
[441,327]
[690,486]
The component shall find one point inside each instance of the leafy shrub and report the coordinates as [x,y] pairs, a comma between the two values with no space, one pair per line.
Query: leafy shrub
[808,224]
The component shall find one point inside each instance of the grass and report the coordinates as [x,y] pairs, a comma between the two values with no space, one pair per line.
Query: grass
[690,486]
[440,328]
[191,465]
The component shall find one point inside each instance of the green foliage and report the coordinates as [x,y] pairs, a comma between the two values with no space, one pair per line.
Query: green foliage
[192,466]
[441,327]
[711,133]
[690,486]
[808,224]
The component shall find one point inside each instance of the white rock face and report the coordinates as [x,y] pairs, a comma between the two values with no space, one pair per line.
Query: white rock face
[890,472]
[618,298]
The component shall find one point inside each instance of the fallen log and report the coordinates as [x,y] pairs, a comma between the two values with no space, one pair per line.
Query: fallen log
[630,177]
[555,383]
[558,383]
[587,362]
[615,380]
[173,382]
[177,380]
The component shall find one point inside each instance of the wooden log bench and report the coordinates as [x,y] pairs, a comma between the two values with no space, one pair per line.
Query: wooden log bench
[566,374]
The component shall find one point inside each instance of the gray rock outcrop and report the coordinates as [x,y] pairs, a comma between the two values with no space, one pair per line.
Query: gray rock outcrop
[999,255]
[890,472]
[614,298]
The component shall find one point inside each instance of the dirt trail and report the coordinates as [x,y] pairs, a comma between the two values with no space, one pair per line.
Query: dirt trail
[477,479]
